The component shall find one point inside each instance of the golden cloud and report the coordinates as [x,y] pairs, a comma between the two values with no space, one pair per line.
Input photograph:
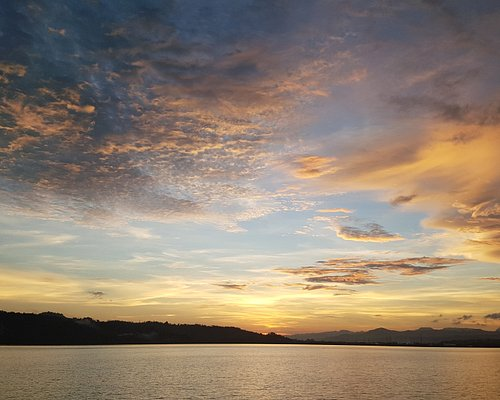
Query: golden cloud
[456,182]
[335,210]
[309,167]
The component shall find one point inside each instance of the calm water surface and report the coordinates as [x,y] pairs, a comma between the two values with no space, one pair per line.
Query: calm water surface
[248,372]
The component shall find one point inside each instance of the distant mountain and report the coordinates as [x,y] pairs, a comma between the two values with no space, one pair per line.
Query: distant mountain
[421,336]
[54,328]
[321,336]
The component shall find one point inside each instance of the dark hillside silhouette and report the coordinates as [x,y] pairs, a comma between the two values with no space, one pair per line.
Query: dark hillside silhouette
[53,328]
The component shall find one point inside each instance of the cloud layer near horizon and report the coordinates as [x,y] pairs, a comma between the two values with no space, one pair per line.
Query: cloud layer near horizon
[361,272]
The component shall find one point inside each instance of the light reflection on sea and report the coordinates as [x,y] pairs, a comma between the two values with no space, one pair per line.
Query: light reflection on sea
[247,372]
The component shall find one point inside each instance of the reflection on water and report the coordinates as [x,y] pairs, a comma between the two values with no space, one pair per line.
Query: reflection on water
[248,372]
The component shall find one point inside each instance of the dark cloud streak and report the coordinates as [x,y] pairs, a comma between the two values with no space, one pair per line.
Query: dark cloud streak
[232,286]
[402,199]
[369,233]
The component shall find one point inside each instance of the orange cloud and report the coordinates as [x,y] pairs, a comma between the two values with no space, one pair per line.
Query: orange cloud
[88,109]
[457,182]
[309,167]
[12,69]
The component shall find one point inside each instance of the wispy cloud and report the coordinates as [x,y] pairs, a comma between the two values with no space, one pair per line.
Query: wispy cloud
[463,318]
[335,210]
[370,233]
[35,238]
[339,291]
[347,277]
[308,167]
[232,286]
[134,231]
[402,199]
[361,272]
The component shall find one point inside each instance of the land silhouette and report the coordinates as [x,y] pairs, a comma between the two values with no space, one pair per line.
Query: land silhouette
[49,328]
[418,337]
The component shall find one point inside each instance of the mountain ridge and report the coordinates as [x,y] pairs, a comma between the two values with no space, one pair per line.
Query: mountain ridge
[419,336]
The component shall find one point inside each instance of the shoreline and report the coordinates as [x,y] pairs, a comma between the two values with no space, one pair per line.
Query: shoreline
[414,345]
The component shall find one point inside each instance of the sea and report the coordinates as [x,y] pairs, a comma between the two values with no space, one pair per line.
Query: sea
[246,371]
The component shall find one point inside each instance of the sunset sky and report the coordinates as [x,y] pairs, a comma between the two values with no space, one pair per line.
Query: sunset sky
[286,166]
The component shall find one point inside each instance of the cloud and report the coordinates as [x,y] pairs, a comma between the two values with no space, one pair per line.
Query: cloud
[35,238]
[162,113]
[308,287]
[402,199]
[456,197]
[477,220]
[135,115]
[479,115]
[61,31]
[128,230]
[462,319]
[350,271]
[8,71]
[353,229]
[349,278]
[491,278]
[232,286]
[96,293]
[372,233]
[309,167]
[335,210]
[433,128]
[492,316]
[441,319]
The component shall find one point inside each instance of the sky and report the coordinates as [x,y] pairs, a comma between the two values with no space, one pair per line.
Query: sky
[283,166]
